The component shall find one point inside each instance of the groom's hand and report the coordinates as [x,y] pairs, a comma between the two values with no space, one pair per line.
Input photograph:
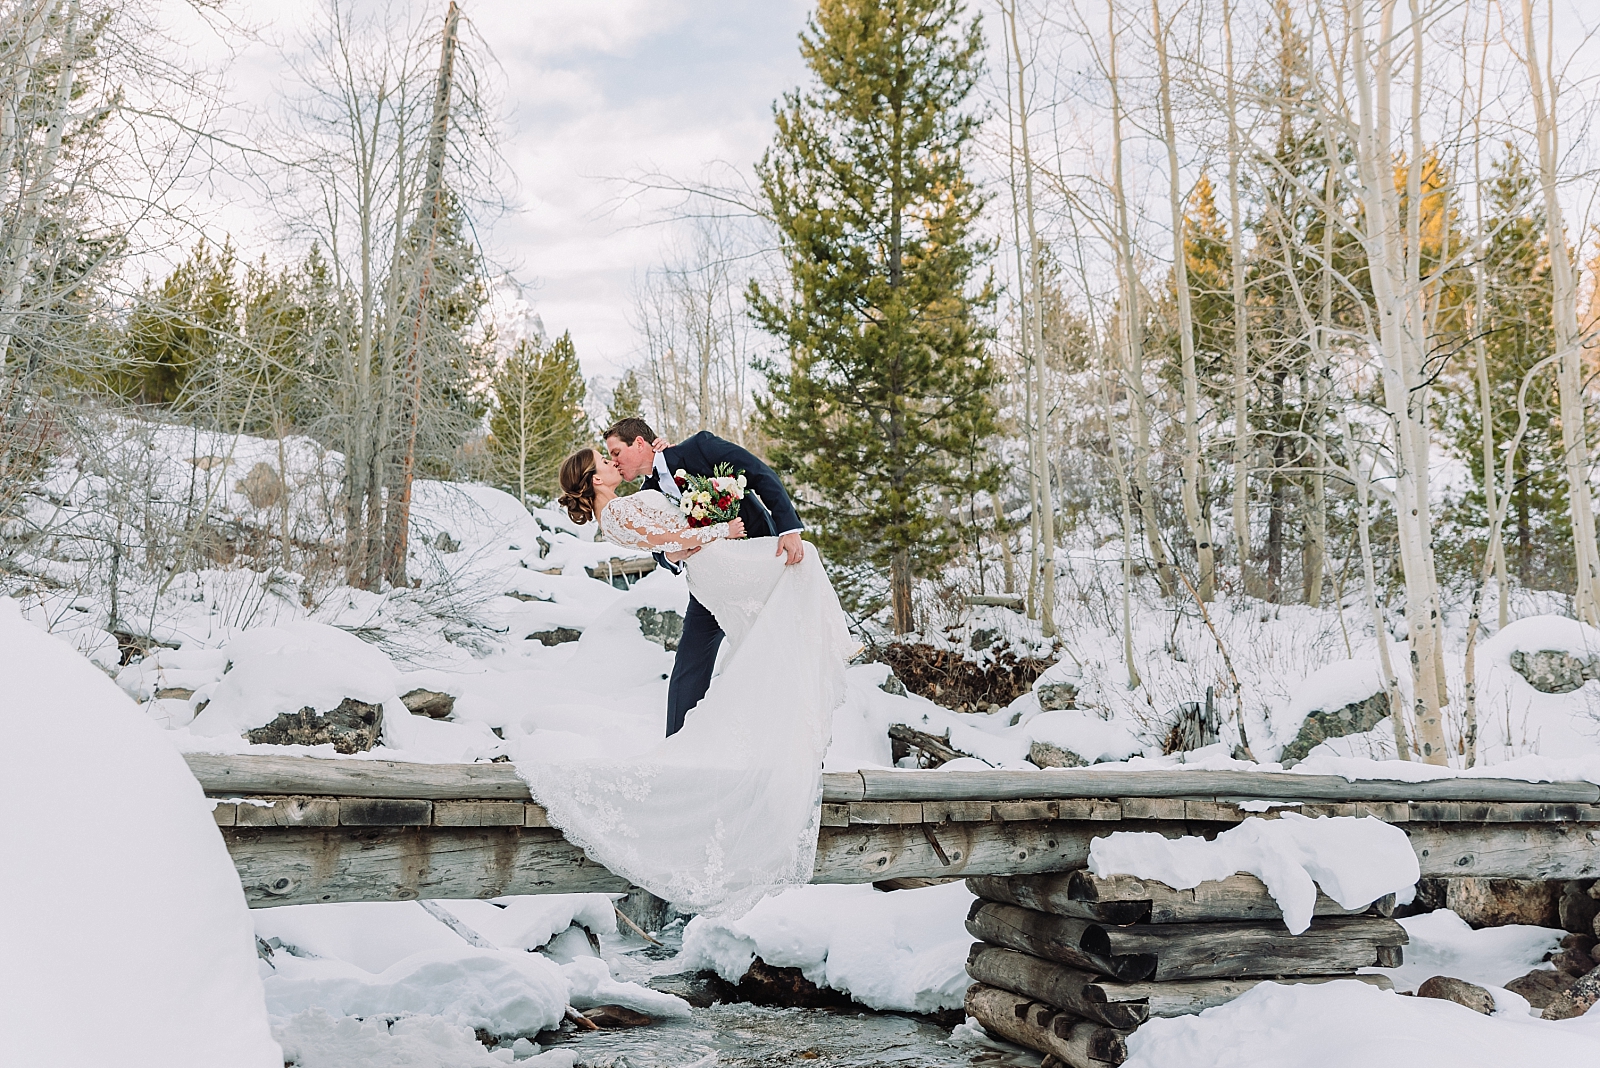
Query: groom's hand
[791,545]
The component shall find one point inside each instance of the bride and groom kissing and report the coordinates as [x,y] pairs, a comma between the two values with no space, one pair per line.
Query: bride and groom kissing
[725,811]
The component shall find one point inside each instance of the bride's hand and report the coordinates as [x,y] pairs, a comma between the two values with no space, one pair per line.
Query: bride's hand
[736,527]
[659,445]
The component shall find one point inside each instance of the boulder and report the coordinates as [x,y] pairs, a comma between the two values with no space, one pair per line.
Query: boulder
[764,984]
[1553,670]
[262,487]
[1046,755]
[1498,902]
[352,727]
[1541,987]
[615,1016]
[1320,725]
[1574,962]
[430,703]
[1056,695]
[1577,1000]
[1468,995]
[1579,910]
[555,636]
[662,626]
[892,685]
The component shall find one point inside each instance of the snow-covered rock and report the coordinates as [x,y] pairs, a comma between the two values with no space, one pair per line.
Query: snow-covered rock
[130,939]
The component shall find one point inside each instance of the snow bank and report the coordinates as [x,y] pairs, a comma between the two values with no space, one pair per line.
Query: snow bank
[1354,861]
[1443,944]
[313,1039]
[297,665]
[503,992]
[905,950]
[1347,1024]
[125,934]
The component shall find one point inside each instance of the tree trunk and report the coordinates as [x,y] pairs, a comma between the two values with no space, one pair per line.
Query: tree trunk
[1198,522]
[900,591]
[1568,339]
[1241,321]
[398,527]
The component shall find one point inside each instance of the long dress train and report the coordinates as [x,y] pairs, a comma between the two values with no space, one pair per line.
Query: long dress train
[725,811]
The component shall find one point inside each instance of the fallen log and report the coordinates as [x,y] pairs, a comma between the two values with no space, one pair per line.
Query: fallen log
[1163,952]
[1080,1043]
[1330,946]
[937,748]
[1116,1004]
[1061,985]
[1123,899]
[1185,997]
[1057,938]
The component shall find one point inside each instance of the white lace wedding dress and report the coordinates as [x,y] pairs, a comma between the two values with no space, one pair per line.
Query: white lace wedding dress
[725,811]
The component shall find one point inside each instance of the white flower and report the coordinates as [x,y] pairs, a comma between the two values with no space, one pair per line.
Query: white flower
[742,482]
[680,473]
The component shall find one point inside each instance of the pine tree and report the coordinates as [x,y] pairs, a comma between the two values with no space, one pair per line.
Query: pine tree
[885,395]
[627,400]
[181,329]
[537,417]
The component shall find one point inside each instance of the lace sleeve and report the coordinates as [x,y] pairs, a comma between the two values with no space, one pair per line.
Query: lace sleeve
[628,522]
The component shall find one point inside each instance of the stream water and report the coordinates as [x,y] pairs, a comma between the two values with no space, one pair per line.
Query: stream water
[746,1036]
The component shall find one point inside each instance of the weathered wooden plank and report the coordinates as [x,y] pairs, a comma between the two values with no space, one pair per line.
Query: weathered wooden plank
[1507,850]
[1152,808]
[887,812]
[1057,783]
[251,774]
[234,774]
[305,865]
[478,813]
[1123,899]
[534,815]
[385,812]
[835,815]
[1185,997]
[1436,811]
[1212,811]
[1387,811]
[289,812]
[864,853]
[1073,1040]
[223,812]
[1057,938]
[1330,945]
[1054,984]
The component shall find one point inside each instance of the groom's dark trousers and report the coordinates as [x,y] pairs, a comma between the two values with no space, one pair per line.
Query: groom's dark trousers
[766,511]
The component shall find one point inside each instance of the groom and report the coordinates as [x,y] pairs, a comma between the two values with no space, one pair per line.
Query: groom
[766,512]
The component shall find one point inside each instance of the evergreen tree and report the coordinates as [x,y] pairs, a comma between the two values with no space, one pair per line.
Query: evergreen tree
[1517,334]
[537,417]
[885,394]
[627,400]
[183,328]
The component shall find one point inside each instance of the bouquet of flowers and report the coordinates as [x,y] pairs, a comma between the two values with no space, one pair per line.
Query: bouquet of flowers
[710,499]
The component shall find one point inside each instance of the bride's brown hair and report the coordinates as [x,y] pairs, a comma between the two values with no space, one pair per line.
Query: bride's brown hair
[577,485]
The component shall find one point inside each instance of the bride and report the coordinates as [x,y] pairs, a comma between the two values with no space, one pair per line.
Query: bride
[725,811]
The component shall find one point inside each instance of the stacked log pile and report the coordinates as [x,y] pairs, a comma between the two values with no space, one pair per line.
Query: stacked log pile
[1070,965]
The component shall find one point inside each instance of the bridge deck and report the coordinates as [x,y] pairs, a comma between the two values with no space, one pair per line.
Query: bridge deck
[305,829]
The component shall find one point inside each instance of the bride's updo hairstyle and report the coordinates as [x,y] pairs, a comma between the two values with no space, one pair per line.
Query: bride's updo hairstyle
[577,485]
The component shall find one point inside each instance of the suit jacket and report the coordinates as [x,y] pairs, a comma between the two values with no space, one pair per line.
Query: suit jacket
[766,509]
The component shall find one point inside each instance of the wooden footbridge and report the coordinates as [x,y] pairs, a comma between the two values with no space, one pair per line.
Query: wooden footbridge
[303,829]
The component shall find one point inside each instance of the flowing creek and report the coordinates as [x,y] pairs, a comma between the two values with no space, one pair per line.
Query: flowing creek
[744,1036]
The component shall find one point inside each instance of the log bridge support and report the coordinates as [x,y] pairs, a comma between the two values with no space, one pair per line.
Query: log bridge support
[306,829]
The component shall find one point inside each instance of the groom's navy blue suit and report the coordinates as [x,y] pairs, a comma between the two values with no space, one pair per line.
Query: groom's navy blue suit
[766,512]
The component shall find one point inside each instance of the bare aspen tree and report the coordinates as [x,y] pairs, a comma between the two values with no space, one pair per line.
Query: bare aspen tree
[1040,450]
[1196,519]
[1132,325]
[39,179]
[1361,476]
[1241,312]
[1391,242]
[398,518]
[1564,314]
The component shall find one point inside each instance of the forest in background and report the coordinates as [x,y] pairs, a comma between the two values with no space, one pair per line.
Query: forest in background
[1285,301]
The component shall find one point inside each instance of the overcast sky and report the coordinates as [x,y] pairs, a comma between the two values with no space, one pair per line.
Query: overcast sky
[594,90]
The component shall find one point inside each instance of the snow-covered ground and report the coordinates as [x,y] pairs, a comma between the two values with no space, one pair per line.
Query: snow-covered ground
[396,983]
